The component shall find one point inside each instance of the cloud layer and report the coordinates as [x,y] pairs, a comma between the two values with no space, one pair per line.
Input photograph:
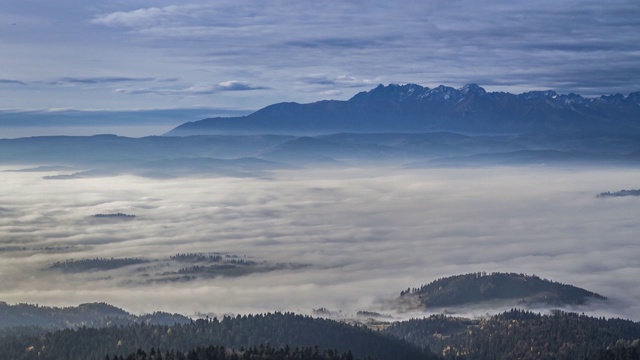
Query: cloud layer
[305,52]
[368,234]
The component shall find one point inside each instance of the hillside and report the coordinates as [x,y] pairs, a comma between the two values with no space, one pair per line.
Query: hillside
[517,335]
[413,108]
[481,287]
[277,330]
[90,314]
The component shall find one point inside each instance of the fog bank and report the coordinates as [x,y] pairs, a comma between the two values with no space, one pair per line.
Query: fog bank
[365,234]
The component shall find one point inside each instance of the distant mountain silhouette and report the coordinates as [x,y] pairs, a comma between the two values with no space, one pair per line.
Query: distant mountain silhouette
[413,108]
[73,157]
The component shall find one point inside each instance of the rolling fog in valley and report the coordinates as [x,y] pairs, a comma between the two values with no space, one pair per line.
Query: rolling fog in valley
[342,239]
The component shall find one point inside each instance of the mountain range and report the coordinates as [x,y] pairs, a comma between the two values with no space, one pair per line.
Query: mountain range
[398,125]
[413,108]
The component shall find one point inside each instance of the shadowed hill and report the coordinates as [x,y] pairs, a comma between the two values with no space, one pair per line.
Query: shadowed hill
[518,334]
[482,287]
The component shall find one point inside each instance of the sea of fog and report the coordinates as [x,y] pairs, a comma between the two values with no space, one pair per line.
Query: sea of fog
[363,234]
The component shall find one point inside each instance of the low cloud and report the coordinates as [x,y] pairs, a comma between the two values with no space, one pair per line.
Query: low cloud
[234,85]
[98,80]
[196,89]
[341,81]
[332,86]
[367,234]
[347,43]
[145,16]
[179,21]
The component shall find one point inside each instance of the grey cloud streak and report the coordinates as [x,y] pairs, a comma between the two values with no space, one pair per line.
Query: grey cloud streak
[196,89]
[12,82]
[368,234]
[99,80]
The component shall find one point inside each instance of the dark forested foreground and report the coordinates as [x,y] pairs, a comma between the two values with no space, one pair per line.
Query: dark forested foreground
[515,334]
[277,330]
[623,350]
[101,331]
[262,352]
[521,335]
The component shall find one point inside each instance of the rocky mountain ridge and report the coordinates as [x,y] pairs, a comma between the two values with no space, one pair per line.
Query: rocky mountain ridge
[414,108]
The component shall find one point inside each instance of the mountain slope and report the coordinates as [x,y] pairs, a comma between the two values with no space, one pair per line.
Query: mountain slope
[413,108]
[517,335]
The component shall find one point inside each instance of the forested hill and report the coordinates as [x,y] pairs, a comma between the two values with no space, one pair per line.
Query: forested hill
[521,335]
[516,334]
[262,352]
[90,314]
[278,330]
[480,287]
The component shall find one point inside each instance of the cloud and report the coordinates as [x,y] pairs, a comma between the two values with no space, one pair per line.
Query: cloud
[234,85]
[58,110]
[172,18]
[196,89]
[12,82]
[99,80]
[331,86]
[348,43]
[342,81]
[368,234]
[513,46]
[331,92]
[142,17]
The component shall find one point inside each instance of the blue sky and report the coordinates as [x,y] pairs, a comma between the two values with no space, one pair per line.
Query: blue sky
[242,55]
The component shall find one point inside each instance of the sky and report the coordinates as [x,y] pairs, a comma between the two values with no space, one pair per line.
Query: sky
[236,56]
[365,234]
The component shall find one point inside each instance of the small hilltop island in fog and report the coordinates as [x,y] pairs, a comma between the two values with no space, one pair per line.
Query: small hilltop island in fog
[475,288]
[621,193]
[115,215]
